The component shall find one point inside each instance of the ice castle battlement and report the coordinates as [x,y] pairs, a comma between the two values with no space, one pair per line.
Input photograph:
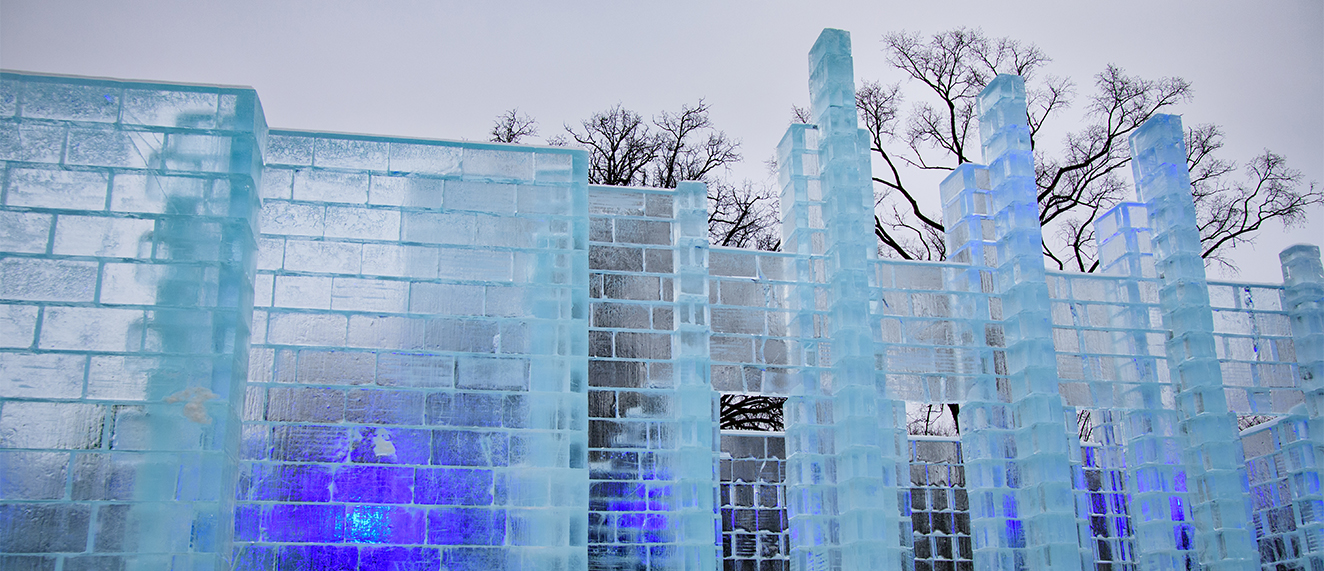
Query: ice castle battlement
[224,346]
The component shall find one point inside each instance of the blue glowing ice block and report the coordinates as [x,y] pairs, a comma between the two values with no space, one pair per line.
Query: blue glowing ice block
[693,512]
[127,241]
[1155,476]
[1303,281]
[1212,455]
[1045,500]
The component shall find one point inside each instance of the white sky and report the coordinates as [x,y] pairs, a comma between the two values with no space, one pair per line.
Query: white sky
[445,69]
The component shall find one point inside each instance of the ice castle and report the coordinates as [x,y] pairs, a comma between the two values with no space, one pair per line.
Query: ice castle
[224,346]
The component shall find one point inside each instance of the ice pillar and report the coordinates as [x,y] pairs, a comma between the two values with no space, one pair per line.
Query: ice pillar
[127,240]
[1045,499]
[811,494]
[696,432]
[1155,477]
[867,445]
[985,416]
[1212,453]
[1303,280]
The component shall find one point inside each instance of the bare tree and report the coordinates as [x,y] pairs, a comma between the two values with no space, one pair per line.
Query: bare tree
[511,126]
[751,412]
[624,149]
[1078,181]
[689,148]
[620,147]
[1084,425]
[1230,212]
[931,420]
[1245,421]
[744,216]
[801,115]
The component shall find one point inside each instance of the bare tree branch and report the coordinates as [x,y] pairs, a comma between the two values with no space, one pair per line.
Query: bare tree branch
[751,412]
[932,420]
[1245,421]
[743,217]
[620,147]
[511,126]
[681,158]
[800,115]
[1231,215]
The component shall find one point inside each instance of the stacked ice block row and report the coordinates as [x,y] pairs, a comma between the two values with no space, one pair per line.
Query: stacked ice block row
[939,504]
[417,394]
[692,502]
[811,498]
[1122,399]
[632,267]
[976,379]
[1112,527]
[127,235]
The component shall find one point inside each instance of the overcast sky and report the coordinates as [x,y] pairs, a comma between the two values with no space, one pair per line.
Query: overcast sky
[445,69]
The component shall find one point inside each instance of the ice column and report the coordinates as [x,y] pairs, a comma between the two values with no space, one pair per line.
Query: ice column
[696,432]
[811,494]
[1212,453]
[869,448]
[1156,479]
[127,240]
[1045,501]
[985,416]
[1303,280]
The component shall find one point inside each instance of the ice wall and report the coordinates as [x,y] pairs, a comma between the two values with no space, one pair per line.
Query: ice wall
[753,500]
[939,504]
[127,239]
[1283,475]
[417,394]
[463,357]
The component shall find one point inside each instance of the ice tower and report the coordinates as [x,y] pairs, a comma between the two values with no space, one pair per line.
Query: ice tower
[225,347]
[1212,458]
[129,231]
[844,445]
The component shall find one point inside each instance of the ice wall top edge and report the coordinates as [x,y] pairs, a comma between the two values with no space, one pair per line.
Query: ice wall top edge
[14,74]
[1078,275]
[928,263]
[569,150]
[236,108]
[753,252]
[1267,285]
[622,189]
